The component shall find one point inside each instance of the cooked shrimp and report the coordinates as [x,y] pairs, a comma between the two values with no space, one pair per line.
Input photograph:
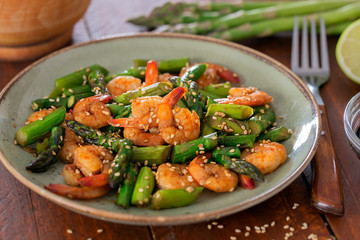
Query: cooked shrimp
[165,77]
[144,114]
[246,96]
[71,143]
[78,192]
[265,155]
[71,174]
[140,137]
[177,125]
[145,109]
[225,73]
[210,76]
[212,176]
[92,111]
[174,176]
[38,115]
[122,84]
[90,159]
[213,73]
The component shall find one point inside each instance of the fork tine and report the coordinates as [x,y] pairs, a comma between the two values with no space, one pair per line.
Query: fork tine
[295,45]
[323,47]
[304,46]
[314,48]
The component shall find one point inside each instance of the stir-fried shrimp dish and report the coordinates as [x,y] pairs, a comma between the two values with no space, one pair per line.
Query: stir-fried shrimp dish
[158,131]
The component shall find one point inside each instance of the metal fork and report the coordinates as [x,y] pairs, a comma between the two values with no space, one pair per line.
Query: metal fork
[326,187]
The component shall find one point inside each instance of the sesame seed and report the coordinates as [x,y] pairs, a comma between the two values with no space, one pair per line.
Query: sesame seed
[214,223]
[141,190]
[189,189]
[248,228]
[209,226]
[287,218]
[69,231]
[312,236]
[272,223]
[247,234]
[127,147]
[286,227]
[237,230]
[233,238]
[291,229]
[220,226]
[232,150]
[99,230]
[304,226]
[190,179]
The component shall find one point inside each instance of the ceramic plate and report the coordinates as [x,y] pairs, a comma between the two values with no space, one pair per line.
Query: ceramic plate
[291,100]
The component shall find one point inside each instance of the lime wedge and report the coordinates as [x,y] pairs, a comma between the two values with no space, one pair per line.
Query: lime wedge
[348,51]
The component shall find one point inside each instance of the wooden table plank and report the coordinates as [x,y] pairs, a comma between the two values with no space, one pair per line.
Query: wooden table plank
[278,209]
[60,220]
[17,219]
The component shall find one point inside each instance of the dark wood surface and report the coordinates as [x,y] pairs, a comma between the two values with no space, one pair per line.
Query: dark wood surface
[26,215]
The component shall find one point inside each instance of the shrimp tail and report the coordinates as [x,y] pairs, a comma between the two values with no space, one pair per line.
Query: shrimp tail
[97,180]
[225,73]
[246,182]
[174,96]
[78,192]
[151,73]
[102,98]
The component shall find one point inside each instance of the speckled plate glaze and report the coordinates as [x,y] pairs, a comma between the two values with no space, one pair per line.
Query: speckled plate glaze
[291,100]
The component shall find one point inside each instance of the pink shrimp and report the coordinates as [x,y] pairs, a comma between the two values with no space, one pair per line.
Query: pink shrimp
[92,111]
[246,96]
[265,155]
[122,84]
[177,125]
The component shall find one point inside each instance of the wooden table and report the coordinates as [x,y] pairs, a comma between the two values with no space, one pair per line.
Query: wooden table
[26,215]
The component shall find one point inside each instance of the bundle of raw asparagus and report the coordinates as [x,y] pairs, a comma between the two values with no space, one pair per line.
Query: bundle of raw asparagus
[239,20]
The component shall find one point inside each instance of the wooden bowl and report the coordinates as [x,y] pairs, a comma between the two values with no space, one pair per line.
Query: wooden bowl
[35,23]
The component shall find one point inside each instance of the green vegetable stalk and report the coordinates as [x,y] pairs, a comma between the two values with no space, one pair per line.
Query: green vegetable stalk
[127,187]
[120,163]
[172,198]
[242,141]
[269,27]
[74,79]
[156,89]
[241,167]
[49,156]
[36,130]
[231,110]
[187,151]
[144,187]
[275,135]
[148,156]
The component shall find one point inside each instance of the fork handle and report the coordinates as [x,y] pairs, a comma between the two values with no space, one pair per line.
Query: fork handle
[326,187]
